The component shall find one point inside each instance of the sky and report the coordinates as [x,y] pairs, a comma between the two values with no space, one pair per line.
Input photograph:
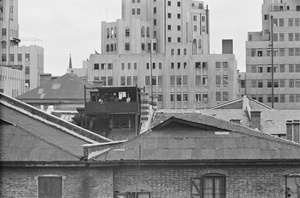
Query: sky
[74,27]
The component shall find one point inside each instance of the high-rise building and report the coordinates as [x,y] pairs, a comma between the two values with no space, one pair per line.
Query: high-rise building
[31,58]
[257,81]
[163,46]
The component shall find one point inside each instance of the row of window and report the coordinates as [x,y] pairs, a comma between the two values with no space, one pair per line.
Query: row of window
[281,98]
[281,22]
[277,83]
[103,66]
[212,185]
[129,81]
[290,36]
[276,52]
[12,57]
[109,81]
[277,68]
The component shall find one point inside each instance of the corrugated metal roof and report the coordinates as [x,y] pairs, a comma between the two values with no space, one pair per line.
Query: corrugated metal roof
[240,143]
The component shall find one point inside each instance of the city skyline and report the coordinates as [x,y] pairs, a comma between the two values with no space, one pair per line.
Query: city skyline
[74,27]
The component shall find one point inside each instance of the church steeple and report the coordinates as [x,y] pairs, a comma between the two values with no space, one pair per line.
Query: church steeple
[70,62]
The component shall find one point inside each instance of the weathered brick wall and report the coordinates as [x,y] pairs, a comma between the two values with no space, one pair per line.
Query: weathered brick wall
[174,182]
[77,182]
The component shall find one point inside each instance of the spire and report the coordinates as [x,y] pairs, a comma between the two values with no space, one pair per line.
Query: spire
[70,62]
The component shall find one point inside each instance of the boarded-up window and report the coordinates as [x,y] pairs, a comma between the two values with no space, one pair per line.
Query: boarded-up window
[50,187]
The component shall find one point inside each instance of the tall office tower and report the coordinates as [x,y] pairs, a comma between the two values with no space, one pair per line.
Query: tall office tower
[29,58]
[257,81]
[163,46]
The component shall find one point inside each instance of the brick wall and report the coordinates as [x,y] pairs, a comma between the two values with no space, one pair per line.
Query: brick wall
[161,181]
[77,182]
[174,182]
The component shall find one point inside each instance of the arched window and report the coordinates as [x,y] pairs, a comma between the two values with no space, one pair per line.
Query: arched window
[209,185]
[199,43]
[143,32]
[194,50]
[107,32]
[148,31]
[112,32]
[3,45]
[293,185]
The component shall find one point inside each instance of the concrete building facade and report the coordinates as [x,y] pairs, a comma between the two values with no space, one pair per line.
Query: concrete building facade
[12,80]
[164,47]
[30,57]
[257,81]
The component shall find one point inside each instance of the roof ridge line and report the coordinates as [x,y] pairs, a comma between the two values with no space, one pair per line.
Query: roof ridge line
[51,123]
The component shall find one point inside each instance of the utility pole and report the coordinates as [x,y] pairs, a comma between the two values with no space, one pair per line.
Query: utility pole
[272,59]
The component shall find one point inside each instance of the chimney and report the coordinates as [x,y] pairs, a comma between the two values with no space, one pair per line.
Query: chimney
[255,119]
[45,78]
[289,130]
[237,121]
[296,130]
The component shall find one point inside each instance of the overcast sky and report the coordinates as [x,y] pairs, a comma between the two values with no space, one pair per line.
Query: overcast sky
[74,27]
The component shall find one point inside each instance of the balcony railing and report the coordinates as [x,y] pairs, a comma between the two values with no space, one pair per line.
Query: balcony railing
[94,108]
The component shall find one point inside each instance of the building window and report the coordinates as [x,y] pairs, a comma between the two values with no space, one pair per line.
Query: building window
[282,82]
[218,65]
[281,36]
[218,96]
[50,187]
[96,78]
[281,22]
[3,57]
[12,57]
[260,84]
[169,39]
[172,65]
[160,80]
[291,52]
[253,83]
[19,57]
[297,51]
[209,186]
[103,79]
[133,11]
[291,83]
[127,46]
[110,81]
[292,97]
[172,80]
[147,80]
[110,66]
[127,32]
[169,27]
[218,80]
[169,15]
[225,65]
[27,83]
[185,79]
[178,97]
[169,3]
[160,66]
[135,80]
[291,21]
[96,66]
[3,31]
[225,96]
[160,98]
[178,80]
[291,37]
[204,80]
[178,16]
[154,10]
[260,69]
[225,80]
[281,52]
[122,80]
[198,97]
[297,83]
[172,97]
[138,11]
[297,36]
[27,57]
[297,67]
[153,80]
[27,70]
[291,68]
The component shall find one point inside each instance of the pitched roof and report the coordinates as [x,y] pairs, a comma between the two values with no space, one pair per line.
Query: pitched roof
[68,87]
[242,103]
[23,123]
[173,143]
